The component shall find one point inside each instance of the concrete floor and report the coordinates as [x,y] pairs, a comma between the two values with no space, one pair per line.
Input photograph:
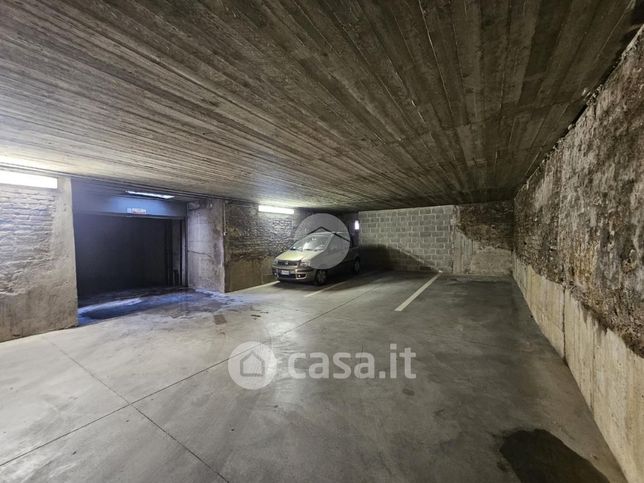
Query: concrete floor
[147,396]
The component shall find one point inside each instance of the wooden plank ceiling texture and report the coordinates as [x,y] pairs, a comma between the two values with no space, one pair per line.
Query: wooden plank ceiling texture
[355,104]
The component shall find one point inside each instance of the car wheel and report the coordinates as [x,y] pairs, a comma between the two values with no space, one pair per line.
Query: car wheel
[320,277]
[356,266]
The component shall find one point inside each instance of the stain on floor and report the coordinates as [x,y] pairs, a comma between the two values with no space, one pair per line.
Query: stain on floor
[121,295]
[540,457]
[170,304]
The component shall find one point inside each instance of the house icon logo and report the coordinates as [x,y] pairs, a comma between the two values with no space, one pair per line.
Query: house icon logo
[252,365]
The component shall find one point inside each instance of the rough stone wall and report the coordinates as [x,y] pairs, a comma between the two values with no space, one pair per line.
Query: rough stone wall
[580,216]
[37,265]
[483,237]
[491,224]
[412,239]
[536,223]
[251,234]
[252,240]
[579,244]
[205,245]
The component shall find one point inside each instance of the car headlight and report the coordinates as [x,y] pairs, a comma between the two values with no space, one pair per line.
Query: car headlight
[304,264]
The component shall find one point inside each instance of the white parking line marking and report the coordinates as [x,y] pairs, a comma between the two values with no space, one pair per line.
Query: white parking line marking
[257,286]
[325,289]
[402,306]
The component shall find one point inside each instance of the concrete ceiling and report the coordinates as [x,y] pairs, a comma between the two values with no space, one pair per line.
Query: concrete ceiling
[354,104]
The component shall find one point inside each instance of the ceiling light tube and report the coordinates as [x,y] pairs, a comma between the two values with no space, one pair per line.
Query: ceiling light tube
[150,195]
[276,209]
[31,180]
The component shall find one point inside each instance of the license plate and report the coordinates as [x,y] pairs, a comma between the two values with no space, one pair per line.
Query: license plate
[284,272]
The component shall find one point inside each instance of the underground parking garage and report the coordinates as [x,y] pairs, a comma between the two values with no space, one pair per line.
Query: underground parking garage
[322,241]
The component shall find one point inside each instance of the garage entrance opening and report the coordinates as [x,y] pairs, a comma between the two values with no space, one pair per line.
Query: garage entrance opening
[116,253]
[129,243]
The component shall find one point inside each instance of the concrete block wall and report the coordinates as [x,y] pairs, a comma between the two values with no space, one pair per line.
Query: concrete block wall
[37,264]
[413,239]
[465,239]
[579,256]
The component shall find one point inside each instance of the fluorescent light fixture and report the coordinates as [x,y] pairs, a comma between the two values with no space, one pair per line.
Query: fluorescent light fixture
[150,195]
[276,209]
[24,179]
[356,225]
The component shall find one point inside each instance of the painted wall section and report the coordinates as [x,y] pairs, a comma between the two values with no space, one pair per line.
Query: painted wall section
[579,244]
[37,264]
[205,245]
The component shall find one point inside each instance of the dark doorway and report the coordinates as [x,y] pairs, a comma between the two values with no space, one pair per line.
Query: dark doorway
[115,253]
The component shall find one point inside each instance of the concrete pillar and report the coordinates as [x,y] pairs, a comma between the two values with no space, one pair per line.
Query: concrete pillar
[205,245]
